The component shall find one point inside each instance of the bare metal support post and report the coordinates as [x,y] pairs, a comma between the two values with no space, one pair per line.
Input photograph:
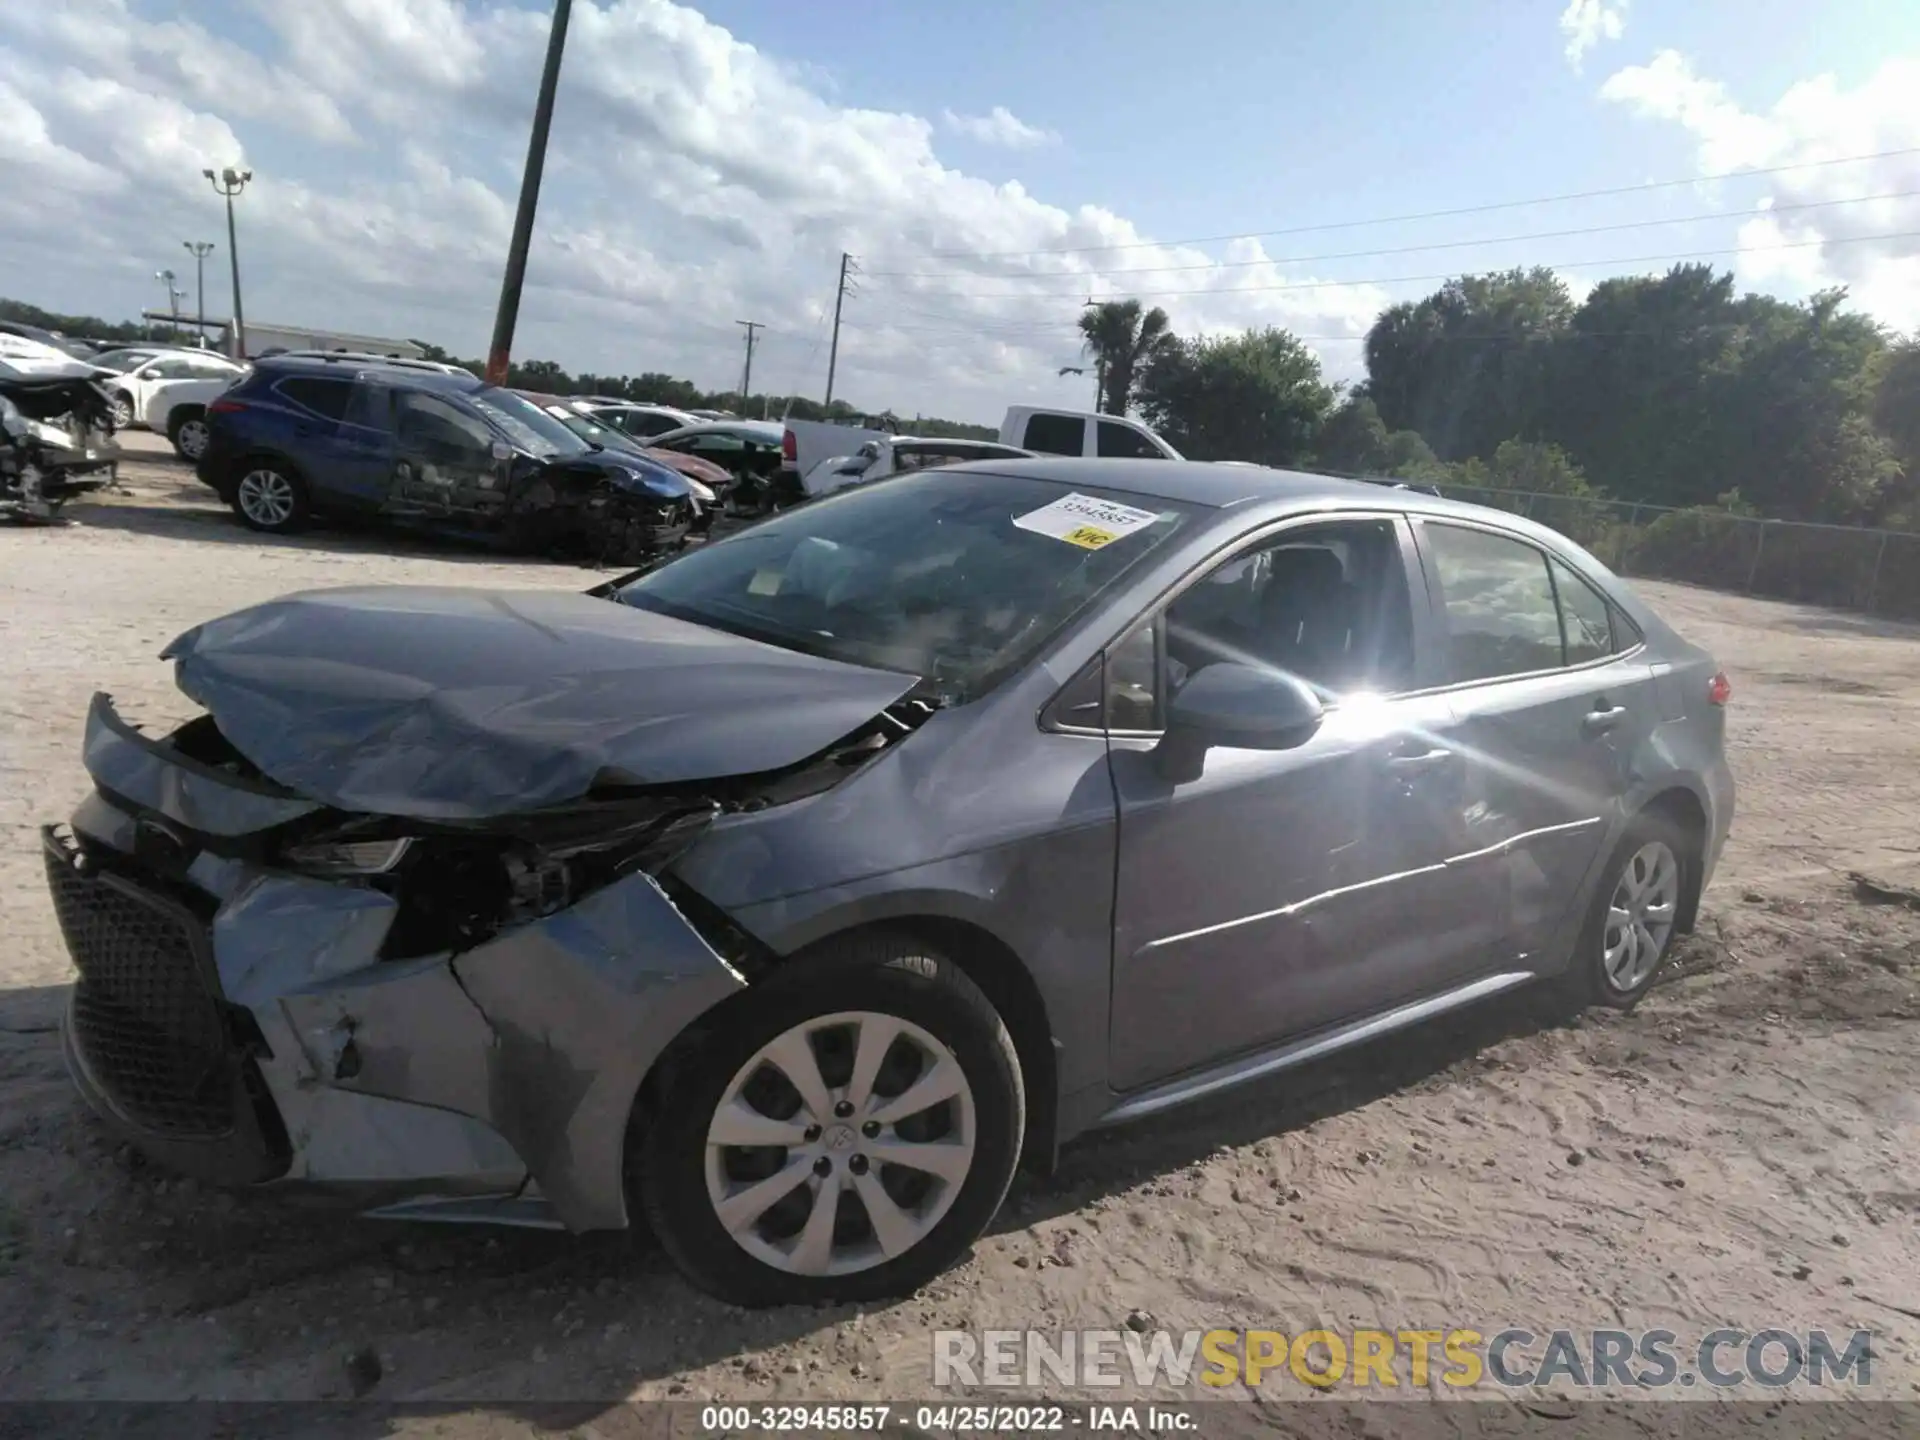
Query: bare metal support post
[1620,550]
[500,354]
[1759,548]
[1873,584]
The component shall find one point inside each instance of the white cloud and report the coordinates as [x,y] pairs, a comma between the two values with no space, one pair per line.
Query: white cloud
[1814,123]
[1585,23]
[713,183]
[1000,126]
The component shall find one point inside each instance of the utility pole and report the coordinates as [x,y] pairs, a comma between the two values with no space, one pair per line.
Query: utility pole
[847,269]
[746,375]
[499,356]
[200,249]
[230,182]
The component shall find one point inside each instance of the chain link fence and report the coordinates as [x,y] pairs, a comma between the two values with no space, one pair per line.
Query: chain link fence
[1877,571]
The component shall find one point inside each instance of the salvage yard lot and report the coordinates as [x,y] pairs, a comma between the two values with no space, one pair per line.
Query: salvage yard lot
[1740,1151]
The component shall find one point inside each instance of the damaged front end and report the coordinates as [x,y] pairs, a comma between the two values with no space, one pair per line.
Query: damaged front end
[605,511]
[444,1018]
[56,443]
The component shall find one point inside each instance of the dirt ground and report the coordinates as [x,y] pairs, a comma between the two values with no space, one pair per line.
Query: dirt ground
[1740,1151]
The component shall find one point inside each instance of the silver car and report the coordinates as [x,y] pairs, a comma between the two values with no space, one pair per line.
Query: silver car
[789,893]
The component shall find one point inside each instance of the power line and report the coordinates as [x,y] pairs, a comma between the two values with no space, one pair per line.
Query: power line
[1442,275]
[1080,277]
[1435,214]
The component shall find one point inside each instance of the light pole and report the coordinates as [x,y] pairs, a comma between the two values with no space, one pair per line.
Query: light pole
[500,352]
[230,182]
[200,249]
[167,277]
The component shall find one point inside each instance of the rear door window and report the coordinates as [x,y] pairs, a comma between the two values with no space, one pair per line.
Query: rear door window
[1498,598]
[1056,434]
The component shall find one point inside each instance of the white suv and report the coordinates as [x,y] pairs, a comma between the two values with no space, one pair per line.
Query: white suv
[132,387]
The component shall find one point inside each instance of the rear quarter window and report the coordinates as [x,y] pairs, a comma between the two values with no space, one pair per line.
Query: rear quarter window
[321,395]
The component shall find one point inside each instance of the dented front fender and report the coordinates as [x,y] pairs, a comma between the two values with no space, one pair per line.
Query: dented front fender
[544,1034]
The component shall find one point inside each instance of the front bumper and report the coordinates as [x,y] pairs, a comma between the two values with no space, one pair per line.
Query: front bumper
[238,1023]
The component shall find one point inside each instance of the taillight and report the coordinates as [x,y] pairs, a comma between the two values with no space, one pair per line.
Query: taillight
[224,406]
[1719,689]
[789,451]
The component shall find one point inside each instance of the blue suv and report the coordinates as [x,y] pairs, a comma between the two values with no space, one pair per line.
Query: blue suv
[301,437]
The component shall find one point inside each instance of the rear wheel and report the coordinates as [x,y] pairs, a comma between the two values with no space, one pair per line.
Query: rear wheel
[187,429]
[1635,914]
[270,498]
[843,1131]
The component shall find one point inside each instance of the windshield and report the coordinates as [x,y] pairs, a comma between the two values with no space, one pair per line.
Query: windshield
[527,425]
[958,578]
[588,431]
[121,360]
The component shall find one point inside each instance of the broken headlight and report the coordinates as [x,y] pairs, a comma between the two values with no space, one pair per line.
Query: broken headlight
[457,885]
[347,857]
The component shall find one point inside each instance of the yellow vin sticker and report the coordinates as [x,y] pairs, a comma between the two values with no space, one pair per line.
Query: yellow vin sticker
[1089,537]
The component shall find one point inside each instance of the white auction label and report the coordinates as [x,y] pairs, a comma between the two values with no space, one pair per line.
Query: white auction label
[1085,521]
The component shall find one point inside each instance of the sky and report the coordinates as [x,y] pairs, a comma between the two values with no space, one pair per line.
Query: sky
[990,165]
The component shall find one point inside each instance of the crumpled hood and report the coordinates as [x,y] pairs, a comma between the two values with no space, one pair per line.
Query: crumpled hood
[445,703]
[631,472]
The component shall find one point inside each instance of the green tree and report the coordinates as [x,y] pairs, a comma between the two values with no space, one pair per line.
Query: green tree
[1787,412]
[1122,341]
[1355,441]
[1631,384]
[1256,396]
[1468,366]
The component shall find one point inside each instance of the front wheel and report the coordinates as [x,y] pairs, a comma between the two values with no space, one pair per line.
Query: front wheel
[121,409]
[843,1131]
[270,498]
[1635,914]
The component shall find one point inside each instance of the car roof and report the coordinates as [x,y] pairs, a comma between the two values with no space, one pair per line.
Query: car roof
[348,366]
[649,406]
[1222,486]
[763,429]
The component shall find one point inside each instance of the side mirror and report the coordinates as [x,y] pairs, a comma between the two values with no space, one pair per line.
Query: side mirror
[1246,707]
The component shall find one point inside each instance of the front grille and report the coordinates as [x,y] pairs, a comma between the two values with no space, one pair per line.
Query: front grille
[145,1015]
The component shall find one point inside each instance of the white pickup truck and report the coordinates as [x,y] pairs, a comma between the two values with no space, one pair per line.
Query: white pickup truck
[1082,432]
[807,444]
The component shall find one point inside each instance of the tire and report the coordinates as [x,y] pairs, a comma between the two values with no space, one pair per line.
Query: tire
[187,429]
[1613,965]
[269,497]
[121,409]
[818,1008]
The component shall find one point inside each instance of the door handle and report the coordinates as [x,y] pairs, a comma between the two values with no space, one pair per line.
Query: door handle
[1603,718]
[1419,763]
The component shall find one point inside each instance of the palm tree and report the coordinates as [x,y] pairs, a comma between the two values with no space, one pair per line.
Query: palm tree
[1122,340]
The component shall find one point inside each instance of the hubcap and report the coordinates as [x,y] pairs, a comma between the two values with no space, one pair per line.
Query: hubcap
[841,1144]
[193,439]
[266,498]
[1640,915]
[122,412]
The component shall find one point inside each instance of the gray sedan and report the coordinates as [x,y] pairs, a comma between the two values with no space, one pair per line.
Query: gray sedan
[789,893]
